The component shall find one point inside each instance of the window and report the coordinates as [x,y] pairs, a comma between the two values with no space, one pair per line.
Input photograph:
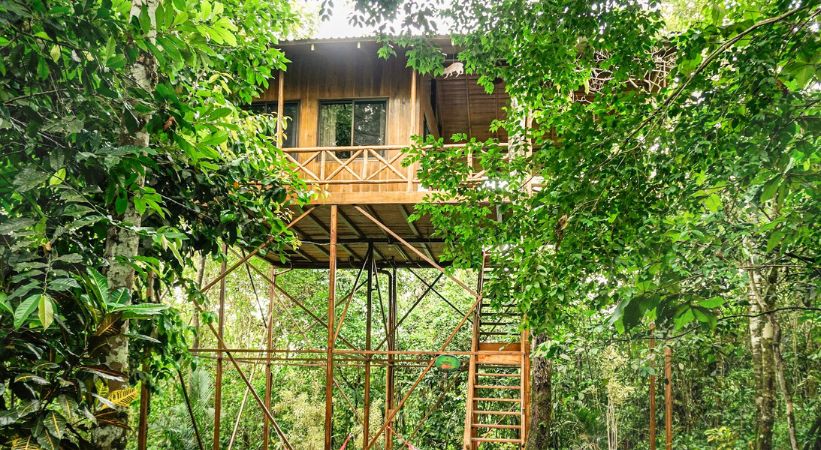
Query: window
[291,112]
[351,123]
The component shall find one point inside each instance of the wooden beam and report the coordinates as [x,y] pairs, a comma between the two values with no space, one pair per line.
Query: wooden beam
[415,231]
[222,348]
[356,230]
[419,253]
[379,219]
[329,369]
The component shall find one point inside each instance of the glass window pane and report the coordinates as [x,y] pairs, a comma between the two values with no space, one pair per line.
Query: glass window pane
[291,111]
[369,123]
[335,124]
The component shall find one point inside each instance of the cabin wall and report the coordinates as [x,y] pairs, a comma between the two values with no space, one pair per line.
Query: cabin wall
[343,72]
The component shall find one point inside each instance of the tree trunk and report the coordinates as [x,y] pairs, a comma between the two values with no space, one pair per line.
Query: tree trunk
[786,391]
[541,409]
[762,339]
[122,244]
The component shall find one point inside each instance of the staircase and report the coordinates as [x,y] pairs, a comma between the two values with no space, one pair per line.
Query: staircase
[498,378]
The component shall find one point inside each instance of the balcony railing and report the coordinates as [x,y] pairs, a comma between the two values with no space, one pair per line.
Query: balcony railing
[377,168]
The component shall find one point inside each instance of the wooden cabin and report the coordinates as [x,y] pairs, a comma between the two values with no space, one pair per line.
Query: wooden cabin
[348,115]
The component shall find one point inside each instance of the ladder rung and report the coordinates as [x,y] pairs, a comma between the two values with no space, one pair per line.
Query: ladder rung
[488,386]
[499,440]
[497,323]
[484,374]
[496,333]
[490,399]
[496,425]
[498,413]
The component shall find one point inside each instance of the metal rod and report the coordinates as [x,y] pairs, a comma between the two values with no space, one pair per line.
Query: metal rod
[329,370]
[220,335]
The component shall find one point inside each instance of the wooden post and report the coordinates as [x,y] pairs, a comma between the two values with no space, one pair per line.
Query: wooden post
[390,382]
[329,369]
[366,419]
[220,336]
[668,397]
[652,387]
[269,345]
[280,106]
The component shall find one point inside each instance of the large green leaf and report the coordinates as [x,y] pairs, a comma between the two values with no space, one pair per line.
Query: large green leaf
[45,310]
[140,311]
[24,310]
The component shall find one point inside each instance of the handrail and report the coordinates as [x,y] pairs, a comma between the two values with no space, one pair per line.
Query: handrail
[380,166]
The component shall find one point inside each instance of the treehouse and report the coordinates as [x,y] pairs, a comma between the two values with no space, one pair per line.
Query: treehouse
[345,116]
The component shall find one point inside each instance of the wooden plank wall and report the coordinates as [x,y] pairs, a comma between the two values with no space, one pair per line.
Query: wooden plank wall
[341,71]
[452,96]
[344,70]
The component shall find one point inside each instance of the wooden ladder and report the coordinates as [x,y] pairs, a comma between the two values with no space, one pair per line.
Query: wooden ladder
[497,409]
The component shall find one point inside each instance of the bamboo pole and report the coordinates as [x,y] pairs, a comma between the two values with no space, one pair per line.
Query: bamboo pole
[268,346]
[652,388]
[220,336]
[390,374]
[668,398]
[366,419]
[329,370]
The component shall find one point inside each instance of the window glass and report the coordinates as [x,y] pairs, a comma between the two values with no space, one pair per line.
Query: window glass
[352,122]
[335,120]
[369,123]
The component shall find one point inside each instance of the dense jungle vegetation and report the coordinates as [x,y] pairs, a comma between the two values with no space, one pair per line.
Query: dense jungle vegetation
[676,152]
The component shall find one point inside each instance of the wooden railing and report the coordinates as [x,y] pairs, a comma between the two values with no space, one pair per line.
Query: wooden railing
[377,168]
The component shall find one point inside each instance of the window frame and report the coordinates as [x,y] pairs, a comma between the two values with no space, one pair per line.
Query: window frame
[350,101]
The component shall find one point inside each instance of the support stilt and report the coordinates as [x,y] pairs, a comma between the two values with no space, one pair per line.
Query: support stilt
[329,370]
[366,419]
[652,388]
[220,335]
[668,398]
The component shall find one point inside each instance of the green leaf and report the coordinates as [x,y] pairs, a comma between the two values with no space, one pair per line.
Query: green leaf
[712,302]
[55,53]
[42,68]
[775,238]
[29,178]
[45,311]
[24,310]
[55,423]
[770,188]
[98,285]
[712,202]
[63,284]
[140,311]
[4,303]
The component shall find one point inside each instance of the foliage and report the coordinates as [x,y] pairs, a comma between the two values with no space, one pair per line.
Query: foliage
[68,178]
